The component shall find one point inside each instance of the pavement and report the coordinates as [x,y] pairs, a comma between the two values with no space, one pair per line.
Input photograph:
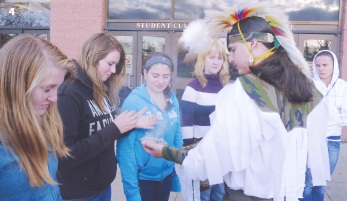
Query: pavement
[336,190]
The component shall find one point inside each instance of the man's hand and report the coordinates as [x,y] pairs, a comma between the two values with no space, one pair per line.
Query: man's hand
[153,149]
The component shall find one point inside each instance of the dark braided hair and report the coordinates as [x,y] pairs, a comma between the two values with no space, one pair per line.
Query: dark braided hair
[278,69]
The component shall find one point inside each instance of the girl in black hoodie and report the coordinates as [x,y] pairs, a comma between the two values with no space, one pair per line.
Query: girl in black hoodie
[87,106]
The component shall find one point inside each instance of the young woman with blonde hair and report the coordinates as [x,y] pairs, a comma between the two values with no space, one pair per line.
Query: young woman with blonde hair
[216,53]
[31,133]
[198,102]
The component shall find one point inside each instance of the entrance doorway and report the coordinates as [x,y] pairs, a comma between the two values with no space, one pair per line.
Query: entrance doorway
[139,44]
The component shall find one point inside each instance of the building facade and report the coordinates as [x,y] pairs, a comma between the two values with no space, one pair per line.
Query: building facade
[144,26]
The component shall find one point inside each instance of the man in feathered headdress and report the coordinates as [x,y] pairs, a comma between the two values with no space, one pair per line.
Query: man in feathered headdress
[263,134]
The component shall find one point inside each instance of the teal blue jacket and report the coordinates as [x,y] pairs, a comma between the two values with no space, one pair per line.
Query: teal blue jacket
[14,182]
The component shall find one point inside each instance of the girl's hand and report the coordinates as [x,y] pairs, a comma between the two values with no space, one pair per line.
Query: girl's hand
[146,121]
[126,121]
[153,148]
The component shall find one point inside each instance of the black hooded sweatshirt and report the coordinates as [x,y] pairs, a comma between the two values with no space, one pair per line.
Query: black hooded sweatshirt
[90,135]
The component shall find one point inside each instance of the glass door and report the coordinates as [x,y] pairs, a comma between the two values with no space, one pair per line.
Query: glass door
[137,46]
[129,41]
[149,42]
[185,66]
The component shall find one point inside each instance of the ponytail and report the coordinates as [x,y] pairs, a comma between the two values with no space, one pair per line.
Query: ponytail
[167,96]
[280,71]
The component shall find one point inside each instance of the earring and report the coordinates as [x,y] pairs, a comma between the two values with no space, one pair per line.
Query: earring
[251,60]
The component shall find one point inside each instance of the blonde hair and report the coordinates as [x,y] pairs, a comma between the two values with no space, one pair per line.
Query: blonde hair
[24,61]
[95,49]
[218,47]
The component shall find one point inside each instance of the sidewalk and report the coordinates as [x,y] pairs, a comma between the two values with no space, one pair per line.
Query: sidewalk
[337,188]
[336,191]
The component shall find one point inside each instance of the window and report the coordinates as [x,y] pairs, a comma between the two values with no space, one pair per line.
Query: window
[298,10]
[32,13]
[192,9]
[312,10]
[139,9]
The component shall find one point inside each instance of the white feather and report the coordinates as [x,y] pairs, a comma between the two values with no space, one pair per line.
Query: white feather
[195,37]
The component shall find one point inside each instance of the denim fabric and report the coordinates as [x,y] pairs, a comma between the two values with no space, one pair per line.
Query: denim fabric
[312,193]
[155,190]
[103,196]
[214,193]
[316,193]
[334,150]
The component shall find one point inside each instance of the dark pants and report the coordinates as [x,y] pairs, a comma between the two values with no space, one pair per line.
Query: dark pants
[102,196]
[156,190]
[238,195]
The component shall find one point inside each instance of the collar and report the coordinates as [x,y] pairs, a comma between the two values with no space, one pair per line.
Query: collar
[270,99]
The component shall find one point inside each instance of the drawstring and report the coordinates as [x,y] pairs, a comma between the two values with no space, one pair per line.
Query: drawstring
[331,88]
[265,55]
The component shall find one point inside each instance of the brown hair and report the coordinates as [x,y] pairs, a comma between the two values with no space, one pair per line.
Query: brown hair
[94,49]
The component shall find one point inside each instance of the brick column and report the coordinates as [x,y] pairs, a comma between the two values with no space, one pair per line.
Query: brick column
[74,21]
[343,55]
[343,48]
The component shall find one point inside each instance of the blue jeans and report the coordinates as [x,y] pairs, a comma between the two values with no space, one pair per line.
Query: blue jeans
[316,193]
[156,190]
[104,195]
[334,150]
[214,193]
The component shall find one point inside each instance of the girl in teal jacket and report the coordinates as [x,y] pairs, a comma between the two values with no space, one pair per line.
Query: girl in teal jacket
[145,177]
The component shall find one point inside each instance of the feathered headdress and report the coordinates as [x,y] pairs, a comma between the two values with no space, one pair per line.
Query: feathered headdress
[217,22]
